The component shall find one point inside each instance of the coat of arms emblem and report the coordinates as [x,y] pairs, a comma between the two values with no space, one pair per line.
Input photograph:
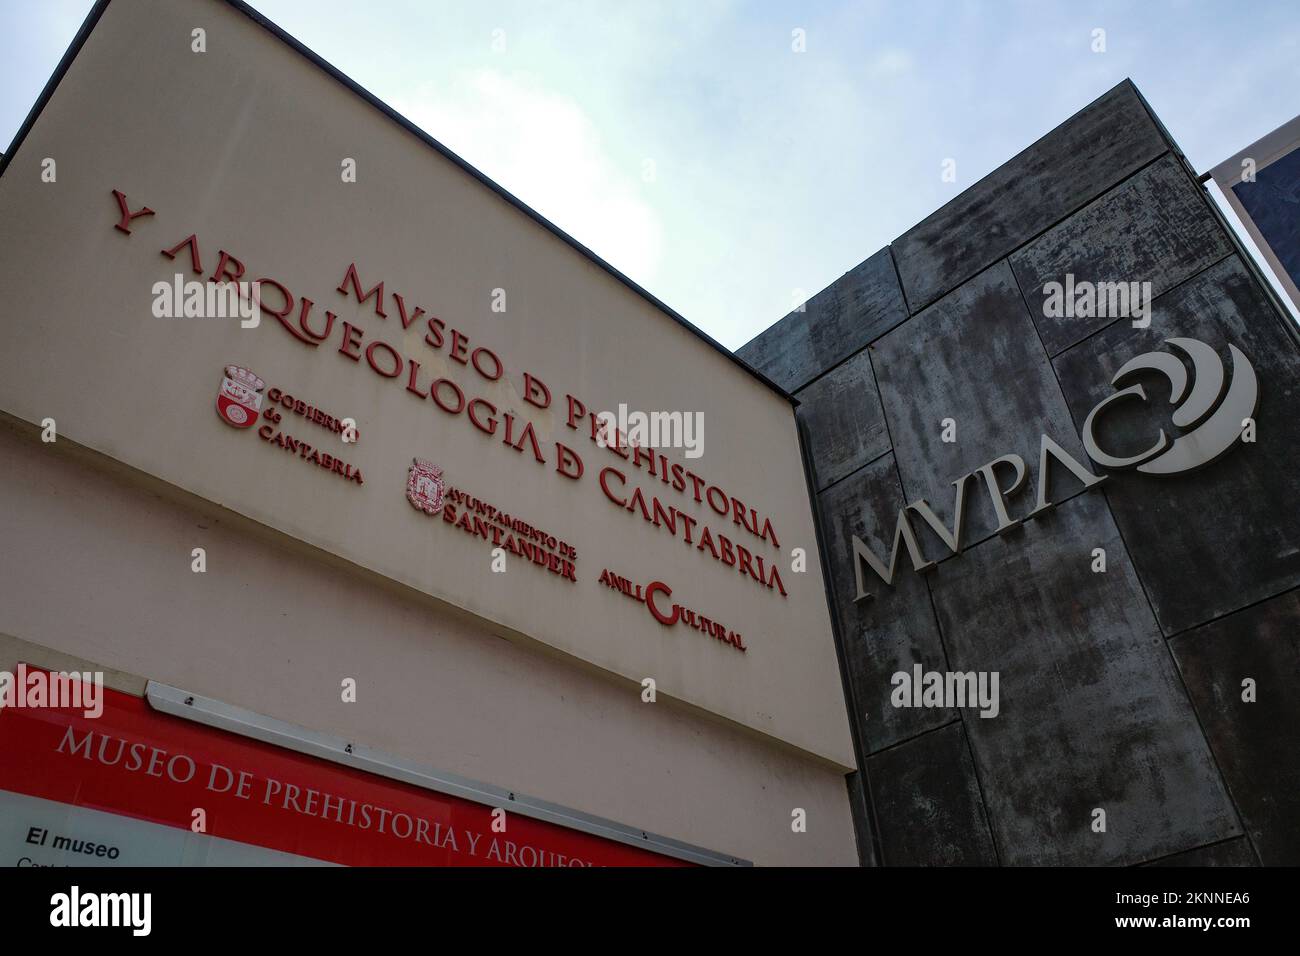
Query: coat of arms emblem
[424,486]
[240,399]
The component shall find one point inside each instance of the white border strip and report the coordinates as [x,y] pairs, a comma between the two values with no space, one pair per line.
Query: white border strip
[1281,142]
[247,723]
[1265,152]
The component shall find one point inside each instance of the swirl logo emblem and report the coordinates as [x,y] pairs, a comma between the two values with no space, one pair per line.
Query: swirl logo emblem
[1213,416]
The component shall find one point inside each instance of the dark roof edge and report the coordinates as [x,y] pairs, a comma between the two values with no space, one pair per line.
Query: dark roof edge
[97,11]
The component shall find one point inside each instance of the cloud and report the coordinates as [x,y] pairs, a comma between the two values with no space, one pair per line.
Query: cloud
[892,63]
[544,148]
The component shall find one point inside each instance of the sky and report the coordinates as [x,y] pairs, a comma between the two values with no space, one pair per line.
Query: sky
[733,157]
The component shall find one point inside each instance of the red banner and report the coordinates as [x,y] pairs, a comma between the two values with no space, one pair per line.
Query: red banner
[134,762]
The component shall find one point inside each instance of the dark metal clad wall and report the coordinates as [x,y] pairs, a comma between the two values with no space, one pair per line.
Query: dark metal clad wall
[1120,690]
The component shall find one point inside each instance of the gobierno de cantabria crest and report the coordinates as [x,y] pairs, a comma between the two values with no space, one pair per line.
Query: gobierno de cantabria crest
[240,399]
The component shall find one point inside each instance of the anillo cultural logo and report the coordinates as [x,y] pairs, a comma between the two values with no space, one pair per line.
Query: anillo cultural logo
[1212,416]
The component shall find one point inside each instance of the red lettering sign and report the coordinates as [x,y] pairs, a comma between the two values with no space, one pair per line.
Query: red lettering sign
[133,762]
